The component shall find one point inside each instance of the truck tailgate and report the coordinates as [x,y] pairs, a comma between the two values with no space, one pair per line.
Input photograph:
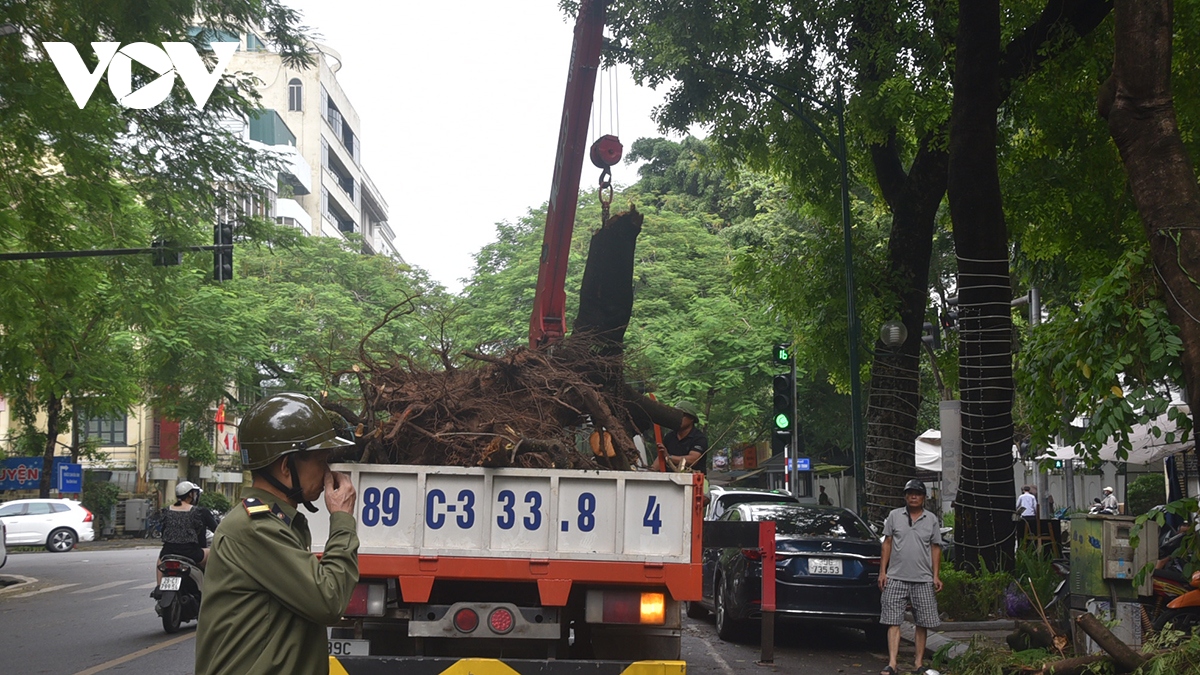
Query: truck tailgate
[428,511]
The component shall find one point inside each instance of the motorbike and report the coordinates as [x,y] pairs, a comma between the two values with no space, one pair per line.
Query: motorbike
[178,593]
[1183,613]
[1097,507]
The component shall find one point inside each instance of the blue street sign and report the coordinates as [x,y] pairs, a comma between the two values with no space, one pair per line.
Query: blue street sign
[802,464]
[24,473]
[69,478]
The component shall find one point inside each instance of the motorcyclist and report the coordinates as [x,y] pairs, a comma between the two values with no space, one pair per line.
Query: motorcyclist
[1109,502]
[185,525]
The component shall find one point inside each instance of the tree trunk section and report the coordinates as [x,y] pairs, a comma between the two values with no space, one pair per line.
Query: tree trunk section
[1137,102]
[53,410]
[984,505]
[606,292]
[894,394]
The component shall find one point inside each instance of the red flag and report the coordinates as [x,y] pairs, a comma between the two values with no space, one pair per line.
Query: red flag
[220,419]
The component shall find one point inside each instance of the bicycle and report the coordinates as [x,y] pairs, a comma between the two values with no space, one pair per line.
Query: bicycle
[154,525]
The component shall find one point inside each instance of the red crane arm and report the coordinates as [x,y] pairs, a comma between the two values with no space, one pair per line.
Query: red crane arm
[548,322]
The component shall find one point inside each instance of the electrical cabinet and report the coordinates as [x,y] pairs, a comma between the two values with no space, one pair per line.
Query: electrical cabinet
[1103,560]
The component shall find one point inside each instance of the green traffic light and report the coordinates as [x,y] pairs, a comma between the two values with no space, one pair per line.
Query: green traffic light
[782,421]
[782,354]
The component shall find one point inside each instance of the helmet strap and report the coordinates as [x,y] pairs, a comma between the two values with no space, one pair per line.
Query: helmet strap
[294,493]
[297,492]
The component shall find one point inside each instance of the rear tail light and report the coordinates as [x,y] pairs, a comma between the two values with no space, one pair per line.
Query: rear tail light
[172,567]
[87,517]
[626,607]
[466,620]
[368,599]
[752,553]
[501,620]
[872,562]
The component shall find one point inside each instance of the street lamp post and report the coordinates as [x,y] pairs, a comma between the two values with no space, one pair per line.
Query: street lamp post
[838,150]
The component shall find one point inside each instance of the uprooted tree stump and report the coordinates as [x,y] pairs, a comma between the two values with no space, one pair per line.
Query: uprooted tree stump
[522,408]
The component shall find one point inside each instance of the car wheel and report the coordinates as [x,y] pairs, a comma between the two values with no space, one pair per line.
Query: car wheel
[61,540]
[728,629]
[695,611]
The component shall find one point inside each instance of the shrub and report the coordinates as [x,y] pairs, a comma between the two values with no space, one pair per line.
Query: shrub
[971,597]
[1145,493]
[99,497]
[215,501]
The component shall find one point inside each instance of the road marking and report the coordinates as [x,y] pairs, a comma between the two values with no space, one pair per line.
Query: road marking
[126,615]
[717,657]
[102,587]
[139,653]
[45,590]
[143,587]
[109,597]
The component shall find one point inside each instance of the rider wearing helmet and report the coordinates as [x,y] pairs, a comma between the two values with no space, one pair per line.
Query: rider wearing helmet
[267,598]
[686,445]
[186,525]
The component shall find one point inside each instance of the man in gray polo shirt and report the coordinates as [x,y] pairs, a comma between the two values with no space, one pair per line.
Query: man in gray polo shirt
[909,571]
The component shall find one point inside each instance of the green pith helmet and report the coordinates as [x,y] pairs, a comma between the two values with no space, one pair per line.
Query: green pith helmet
[283,424]
[687,408]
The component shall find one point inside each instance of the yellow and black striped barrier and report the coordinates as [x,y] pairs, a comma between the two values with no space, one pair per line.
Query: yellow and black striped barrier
[411,665]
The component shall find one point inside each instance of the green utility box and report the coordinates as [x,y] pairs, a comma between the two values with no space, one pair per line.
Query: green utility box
[1103,560]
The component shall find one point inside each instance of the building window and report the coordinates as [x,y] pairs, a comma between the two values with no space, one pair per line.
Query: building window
[254,43]
[106,430]
[295,95]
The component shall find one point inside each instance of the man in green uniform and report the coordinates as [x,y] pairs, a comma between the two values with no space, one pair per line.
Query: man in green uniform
[267,598]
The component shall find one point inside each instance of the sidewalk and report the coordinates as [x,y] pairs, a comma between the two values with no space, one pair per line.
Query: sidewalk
[958,634]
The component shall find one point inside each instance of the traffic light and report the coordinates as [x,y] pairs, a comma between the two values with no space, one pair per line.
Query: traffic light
[223,254]
[782,354]
[163,255]
[782,412]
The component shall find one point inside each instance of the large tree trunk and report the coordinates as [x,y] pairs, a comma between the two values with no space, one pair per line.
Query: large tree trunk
[984,515]
[1138,104]
[913,199]
[894,398]
[606,291]
[53,411]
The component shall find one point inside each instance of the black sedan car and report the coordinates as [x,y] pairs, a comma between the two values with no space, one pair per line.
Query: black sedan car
[826,569]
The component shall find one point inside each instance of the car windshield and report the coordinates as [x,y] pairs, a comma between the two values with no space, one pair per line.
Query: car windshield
[819,523]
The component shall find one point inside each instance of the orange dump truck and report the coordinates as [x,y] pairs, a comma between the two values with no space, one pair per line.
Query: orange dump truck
[531,570]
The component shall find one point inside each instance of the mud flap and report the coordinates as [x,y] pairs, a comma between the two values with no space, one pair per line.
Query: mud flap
[410,665]
[165,600]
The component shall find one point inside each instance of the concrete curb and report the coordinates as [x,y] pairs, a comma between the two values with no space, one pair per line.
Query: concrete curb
[15,582]
[936,640]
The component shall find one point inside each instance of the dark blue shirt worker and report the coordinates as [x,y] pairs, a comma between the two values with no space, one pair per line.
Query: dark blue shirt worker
[686,445]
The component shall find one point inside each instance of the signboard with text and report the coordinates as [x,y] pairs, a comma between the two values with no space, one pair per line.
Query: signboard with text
[25,473]
[802,464]
[68,478]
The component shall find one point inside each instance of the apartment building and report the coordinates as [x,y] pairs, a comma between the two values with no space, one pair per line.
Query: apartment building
[306,110]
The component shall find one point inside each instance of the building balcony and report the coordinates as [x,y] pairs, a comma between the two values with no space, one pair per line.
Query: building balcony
[290,212]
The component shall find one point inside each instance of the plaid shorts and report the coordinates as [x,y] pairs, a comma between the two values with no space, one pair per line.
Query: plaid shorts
[897,595]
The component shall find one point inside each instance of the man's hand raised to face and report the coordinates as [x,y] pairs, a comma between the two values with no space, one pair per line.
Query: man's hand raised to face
[339,493]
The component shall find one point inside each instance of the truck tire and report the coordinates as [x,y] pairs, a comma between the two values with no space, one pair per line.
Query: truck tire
[695,611]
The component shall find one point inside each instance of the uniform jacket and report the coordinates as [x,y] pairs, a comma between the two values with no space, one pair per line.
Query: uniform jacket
[267,599]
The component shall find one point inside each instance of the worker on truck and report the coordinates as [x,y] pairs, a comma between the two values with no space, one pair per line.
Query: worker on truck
[686,445]
[267,598]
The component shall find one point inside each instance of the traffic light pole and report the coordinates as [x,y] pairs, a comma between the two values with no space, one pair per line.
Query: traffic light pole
[100,252]
[794,445]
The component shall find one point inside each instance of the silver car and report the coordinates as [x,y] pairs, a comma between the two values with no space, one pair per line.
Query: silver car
[57,524]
